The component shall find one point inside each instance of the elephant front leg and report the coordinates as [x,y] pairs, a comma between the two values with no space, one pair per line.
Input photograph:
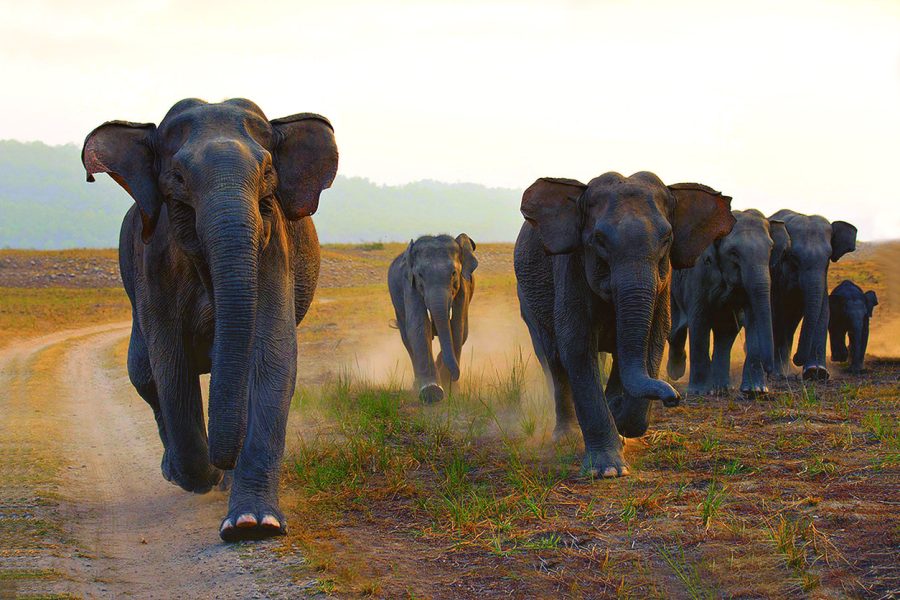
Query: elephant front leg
[724,334]
[701,366]
[180,418]
[416,332]
[603,447]
[253,507]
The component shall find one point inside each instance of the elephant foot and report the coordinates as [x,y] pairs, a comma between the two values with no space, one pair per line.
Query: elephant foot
[604,463]
[252,523]
[563,430]
[840,356]
[720,389]
[195,479]
[632,415]
[754,390]
[699,390]
[676,366]
[431,393]
[815,373]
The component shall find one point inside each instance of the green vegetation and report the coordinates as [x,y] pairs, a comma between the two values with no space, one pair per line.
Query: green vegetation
[46,204]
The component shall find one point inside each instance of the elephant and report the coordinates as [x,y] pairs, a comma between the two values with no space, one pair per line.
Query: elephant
[220,259]
[851,309]
[728,288]
[431,285]
[800,289]
[593,268]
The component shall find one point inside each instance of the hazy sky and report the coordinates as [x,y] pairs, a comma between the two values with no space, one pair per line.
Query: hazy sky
[779,104]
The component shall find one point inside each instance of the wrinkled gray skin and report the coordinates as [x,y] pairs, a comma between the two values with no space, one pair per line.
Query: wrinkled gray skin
[220,261]
[431,286]
[593,266]
[851,309]
[727,289]
[800,290]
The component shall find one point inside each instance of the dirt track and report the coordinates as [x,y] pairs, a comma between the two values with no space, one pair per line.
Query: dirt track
[130,533]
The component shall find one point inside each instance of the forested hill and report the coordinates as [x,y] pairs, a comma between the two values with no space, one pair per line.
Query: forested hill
[46,204]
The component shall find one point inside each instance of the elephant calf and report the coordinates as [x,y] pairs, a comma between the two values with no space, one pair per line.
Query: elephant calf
[851,309]
[727,289]
[431,286]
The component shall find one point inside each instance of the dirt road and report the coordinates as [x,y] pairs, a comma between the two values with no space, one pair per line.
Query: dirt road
[81,460]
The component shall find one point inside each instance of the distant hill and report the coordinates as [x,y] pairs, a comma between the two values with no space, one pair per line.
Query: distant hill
[46,204]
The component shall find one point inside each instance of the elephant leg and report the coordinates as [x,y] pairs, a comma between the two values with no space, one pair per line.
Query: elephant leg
[701,366]
[753,378]
[253,507]
[725,330]
[677,362]
[859,334]
[837,335]
[815,368]
[141,376]
[417,338]
[603,446]
[577,344]
[181,406]
[784,339]
[547,353]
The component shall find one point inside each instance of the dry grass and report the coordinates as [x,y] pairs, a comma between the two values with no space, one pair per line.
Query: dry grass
[794,495]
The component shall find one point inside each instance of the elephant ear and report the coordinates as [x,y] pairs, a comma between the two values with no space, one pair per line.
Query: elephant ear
[306,160]
[779,234]
[843,239]
[701,216]
[550,205]
[125,152]
[469,262]
[871,301]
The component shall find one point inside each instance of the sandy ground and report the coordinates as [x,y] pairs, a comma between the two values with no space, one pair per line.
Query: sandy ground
[130,533]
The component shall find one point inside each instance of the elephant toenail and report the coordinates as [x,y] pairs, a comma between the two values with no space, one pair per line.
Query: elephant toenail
[246,520]
[624,471]
[226,525]
[270,521]
[610,472]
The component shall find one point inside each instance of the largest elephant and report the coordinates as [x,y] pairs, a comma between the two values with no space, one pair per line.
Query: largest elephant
[220,261]
[800,289]
[593,266]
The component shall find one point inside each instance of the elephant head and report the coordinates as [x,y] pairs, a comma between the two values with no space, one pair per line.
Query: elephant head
[630,231]
[440,270]
[227,177]
[744,257]
[801,275]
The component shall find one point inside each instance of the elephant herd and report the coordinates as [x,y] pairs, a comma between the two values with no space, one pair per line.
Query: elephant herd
[220,261]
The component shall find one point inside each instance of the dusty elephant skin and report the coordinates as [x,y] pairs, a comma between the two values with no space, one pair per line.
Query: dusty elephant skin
[850,309]
[593,267]
[220,260]
[431,286]
[800,289]
[729,288]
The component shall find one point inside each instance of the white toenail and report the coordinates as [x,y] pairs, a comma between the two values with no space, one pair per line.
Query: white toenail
[270,521]
[246,520]
[226,524]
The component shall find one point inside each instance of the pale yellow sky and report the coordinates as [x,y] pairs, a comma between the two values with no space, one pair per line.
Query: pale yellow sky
[779,104]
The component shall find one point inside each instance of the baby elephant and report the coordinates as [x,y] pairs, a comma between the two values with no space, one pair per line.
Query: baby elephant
[727,289]
[431,285]
[851,310]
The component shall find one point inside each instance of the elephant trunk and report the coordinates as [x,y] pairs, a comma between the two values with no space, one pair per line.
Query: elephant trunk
[813,285]
[635,294]
[758,286]
[438,303]
[231,238]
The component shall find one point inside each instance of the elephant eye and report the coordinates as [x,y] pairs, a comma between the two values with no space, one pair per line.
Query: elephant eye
[177,177]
